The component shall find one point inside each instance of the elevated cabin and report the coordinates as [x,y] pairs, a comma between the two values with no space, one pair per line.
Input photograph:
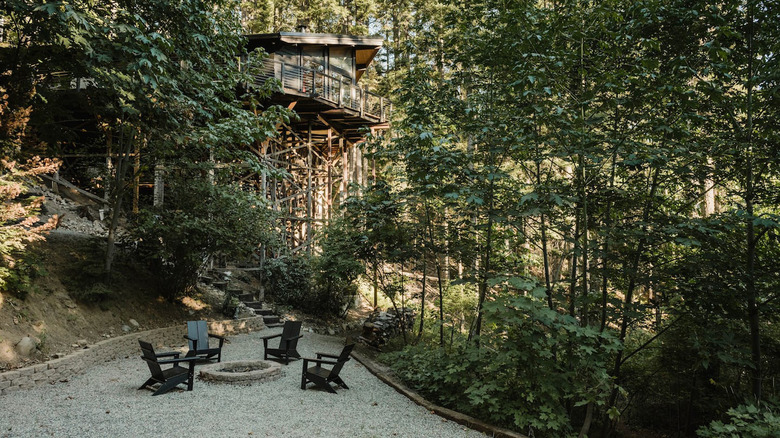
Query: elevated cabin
[320,80]
[319,74]
[319,152]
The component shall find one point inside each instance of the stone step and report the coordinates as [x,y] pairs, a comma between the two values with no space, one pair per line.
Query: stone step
[246,297]
[264,312]
[271,319]
[257,305]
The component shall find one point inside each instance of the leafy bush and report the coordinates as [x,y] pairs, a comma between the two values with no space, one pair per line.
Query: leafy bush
[531,364]
[336,269]
[746,421]
[19,222]
[321,284]
[19,280]
[95,293]
[198,220]
[288,279]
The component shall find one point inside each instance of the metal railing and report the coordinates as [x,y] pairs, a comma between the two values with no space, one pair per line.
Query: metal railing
[337,90]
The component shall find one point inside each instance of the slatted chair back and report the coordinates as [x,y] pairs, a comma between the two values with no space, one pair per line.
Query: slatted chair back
[343,358]
[198,330]
[290,335]
[151,360]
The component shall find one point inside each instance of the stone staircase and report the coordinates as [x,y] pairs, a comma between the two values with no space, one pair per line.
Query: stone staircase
[269,318]
[220,281]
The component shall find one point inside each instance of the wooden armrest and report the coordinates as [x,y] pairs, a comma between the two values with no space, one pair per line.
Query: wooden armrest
[177,360]
[189,338]
[168,353]
[217,336]
[317,361]
[294,337]
[271,336]
[321,355]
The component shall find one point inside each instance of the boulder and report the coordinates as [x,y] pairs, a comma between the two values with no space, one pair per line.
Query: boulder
[27,346]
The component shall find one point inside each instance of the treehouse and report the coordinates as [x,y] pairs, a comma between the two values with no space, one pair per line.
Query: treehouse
[318,154]
[319,78]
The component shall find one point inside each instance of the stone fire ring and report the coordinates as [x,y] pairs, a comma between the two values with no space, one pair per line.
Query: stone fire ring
[258,371]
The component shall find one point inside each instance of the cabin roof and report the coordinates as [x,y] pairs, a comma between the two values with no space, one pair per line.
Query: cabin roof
[366,47]
[326,39]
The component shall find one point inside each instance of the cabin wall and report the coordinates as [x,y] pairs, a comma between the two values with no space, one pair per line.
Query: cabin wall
[334,61]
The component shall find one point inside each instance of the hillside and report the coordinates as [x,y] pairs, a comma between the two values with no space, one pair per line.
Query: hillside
[69,304]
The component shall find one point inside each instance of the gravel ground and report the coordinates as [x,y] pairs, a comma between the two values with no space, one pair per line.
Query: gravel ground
[105,402]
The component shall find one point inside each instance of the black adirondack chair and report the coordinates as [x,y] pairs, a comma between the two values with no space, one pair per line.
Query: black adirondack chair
[322,376]
[171,377]
[288,342]
[198,336]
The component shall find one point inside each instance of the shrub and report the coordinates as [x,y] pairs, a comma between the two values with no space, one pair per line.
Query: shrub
[288,279]
[531,365]
[336,269]
[200,219]
[746,421]
[95,293]
[19,222]
[323,284]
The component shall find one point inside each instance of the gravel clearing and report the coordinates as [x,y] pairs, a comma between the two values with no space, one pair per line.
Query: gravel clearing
[105,402]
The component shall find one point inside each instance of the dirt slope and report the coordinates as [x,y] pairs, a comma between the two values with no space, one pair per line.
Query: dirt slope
[59,314]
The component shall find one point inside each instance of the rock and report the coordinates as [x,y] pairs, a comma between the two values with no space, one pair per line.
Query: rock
[27,346]
[331,331]
[134,323]
[126,328]
[81,343]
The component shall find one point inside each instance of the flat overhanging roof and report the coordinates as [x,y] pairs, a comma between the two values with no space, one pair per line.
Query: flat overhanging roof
[324,39]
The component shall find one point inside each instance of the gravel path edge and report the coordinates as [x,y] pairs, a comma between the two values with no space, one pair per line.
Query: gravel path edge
[385,374]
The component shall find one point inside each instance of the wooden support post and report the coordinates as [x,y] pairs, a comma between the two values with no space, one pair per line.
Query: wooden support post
[264,174]
[343,187]
[309,189]
[329,183]
[159,186]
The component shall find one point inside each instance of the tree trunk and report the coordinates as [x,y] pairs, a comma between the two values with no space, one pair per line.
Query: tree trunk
[750,281]
[118,189]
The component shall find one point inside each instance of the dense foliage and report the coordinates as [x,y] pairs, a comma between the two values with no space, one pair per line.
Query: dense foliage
[155,82]
[200,220]
[532,366]
[624,155]
[581,198]
[322,283]
[19,223]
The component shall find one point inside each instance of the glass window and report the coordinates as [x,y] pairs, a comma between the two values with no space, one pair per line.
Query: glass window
[341,63]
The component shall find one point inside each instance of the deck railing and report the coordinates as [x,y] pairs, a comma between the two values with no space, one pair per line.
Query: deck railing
[338,91]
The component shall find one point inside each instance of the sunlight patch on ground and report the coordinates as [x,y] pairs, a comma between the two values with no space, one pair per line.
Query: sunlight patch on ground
[40,326]
[193,303]
[7,353]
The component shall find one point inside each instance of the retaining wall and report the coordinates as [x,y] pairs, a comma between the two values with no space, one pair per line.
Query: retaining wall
[60,369]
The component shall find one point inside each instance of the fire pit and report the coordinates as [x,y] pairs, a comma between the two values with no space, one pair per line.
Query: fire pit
[241,371]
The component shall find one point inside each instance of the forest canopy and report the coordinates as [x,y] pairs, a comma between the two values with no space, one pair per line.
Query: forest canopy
[580,199]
